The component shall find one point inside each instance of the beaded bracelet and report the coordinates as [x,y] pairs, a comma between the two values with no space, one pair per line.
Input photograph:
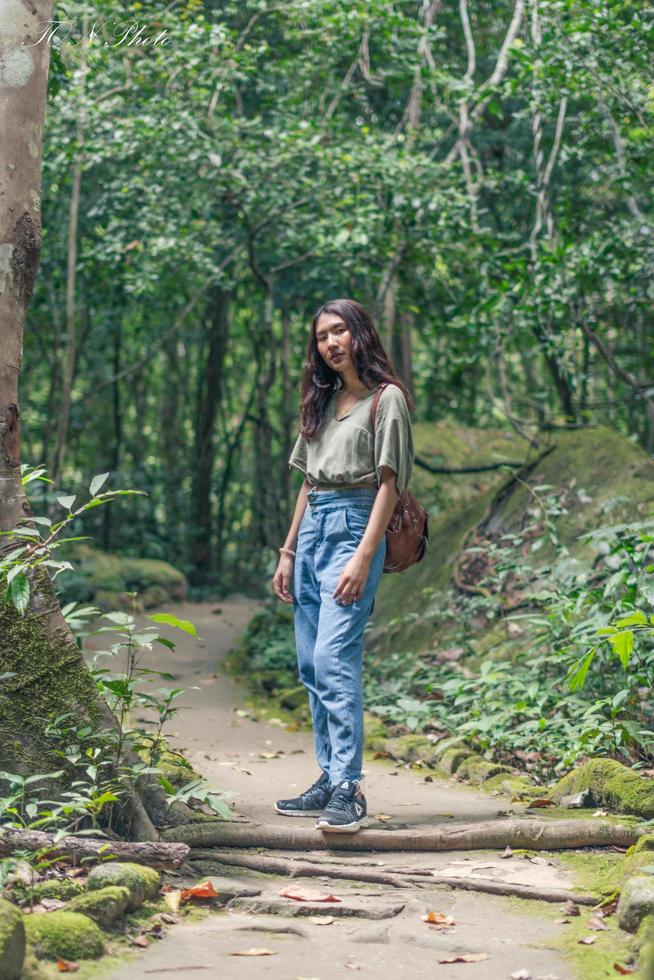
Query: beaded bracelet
[287,551]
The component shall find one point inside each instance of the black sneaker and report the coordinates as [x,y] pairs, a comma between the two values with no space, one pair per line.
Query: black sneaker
[313,800]
[346,810]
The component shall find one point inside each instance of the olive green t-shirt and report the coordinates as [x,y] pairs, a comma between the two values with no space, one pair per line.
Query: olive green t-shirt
[343,450]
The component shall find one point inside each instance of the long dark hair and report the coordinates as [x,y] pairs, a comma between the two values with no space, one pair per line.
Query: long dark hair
[368,355]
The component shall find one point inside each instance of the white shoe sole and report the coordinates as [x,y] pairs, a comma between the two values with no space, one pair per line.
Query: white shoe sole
[298,813]
[346,828]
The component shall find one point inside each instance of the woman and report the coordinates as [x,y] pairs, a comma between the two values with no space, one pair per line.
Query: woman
[335,547]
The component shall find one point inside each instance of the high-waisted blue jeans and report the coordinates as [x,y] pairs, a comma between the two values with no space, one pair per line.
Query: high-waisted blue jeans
[328,632]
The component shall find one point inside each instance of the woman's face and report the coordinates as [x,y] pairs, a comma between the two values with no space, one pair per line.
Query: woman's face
[334,341]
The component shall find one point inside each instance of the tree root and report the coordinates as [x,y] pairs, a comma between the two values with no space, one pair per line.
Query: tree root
[396,878]
[156,854]
[496,834]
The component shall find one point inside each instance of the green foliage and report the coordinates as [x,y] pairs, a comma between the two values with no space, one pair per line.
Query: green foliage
[246,160]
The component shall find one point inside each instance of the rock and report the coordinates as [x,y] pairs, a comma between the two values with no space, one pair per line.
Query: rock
[61,888]
[636,901]
[612,785]
[478,770]
[450,761]
[64,935]
[12,941]
[578,801]
[104,906]
[348,908]
[142,883]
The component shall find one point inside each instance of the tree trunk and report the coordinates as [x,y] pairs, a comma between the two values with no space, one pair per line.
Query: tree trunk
[49,676]
[209,397]
[156,854]
[541,835]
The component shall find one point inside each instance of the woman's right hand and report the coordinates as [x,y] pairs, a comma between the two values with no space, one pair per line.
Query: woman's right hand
[282,578]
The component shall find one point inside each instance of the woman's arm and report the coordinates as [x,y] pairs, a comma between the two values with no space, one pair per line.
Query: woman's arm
[354,575]
[380,515]
[284,571]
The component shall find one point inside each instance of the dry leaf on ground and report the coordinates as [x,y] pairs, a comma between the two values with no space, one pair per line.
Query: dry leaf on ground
[383,817]
[521,975]
[507,852]
[439,919]
[570,908]
[203,890]
[466,958]
[587,941]
[322,920]
[595,923]
[307,895]
[352,966]
[140,941]
[623,970]
[67,966]
[254,951]
[538,804]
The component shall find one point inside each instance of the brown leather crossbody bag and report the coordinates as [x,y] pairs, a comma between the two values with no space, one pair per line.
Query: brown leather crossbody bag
[407,534]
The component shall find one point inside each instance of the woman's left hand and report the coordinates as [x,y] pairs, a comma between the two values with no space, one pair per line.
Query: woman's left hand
[353,580]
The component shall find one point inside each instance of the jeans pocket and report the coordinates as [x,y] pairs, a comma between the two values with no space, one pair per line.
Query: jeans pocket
[355,523]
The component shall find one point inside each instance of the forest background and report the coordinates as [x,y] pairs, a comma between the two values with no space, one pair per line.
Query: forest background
[476,174]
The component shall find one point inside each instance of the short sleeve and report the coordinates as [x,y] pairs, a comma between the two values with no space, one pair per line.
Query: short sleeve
[393,437]
[298,456]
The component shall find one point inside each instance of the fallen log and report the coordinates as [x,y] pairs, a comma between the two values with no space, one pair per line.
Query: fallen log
[543,835]
[156,854]
[397,879]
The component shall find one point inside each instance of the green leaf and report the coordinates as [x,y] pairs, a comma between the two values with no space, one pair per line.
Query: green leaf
[623,645]
[637,618]
[67,502]
[576,677]
[180,624]
[19,591]
[97,483]
[165,642]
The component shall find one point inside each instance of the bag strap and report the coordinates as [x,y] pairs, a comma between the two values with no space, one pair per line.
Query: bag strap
[375,403]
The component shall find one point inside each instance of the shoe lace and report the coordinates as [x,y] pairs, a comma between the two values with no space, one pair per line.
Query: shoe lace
[340,801]
[318,785]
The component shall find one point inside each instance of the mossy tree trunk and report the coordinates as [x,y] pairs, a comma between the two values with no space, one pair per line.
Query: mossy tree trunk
[49,676]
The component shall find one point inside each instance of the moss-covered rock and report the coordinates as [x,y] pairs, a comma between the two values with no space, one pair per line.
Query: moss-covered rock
[477,770]
[519,787]
[142,883]
[12,941]
[614,472]
[639,856]
[612,785]
[63,934]
[451,760]
[104,906]
[644,948]
[636,901]
[61,888]
[104,579]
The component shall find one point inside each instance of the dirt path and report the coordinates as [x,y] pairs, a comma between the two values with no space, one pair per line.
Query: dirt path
[376,930]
